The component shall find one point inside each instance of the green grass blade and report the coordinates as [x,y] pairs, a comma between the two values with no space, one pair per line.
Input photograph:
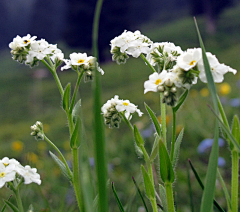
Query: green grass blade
[227,131]
[99,139]
[202,186]
[227,196]
[118,200]
[140,193]
[223,115]
[5,205]
[12,206]
[190,191]
[208,193]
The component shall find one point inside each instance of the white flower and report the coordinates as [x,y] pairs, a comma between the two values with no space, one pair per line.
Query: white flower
[189,58]
[110,103]
[154,81]
[6,161]
[30,175]
[78,59]
[19,42]
[217,69]
[137,47]
[7,173]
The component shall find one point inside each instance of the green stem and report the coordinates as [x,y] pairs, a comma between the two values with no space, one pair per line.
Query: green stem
[54,73]
[76,178]
[173,135]
[169,193]
[163,119]
[154,204]
[60,154]
[127,121]
[19,201]
[146,61]
[76,90]
[234,190]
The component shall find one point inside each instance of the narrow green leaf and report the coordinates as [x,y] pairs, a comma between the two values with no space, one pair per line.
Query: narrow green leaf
[154,119]
[202,186]
[12,206]
[236,129]
[181,100]
[177,148]
[150,191]
[61,166]
[76,111]
[138,137]
[227,196]
[154,149]
[66,97]
[5,205]
[166,169]
[227,131]
[118,200]
[163,197]
[138,189]
[75,138]
[190,191]
[223,115]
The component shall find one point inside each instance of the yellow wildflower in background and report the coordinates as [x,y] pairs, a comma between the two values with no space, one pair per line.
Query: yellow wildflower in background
[168,118]
[224,88]
[42,145]
[17,146]
[32,157]
[204,92]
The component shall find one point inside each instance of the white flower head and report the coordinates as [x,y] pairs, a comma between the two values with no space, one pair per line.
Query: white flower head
[78,59]
[189,59]
[154,81]
[19,42]
[218,70]
[30,175]
[7,173]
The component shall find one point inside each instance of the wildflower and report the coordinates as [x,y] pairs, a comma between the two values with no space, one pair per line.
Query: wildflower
[204,92]
[155,82]
[37,131]
[189,59]
[17,146]
[225,88]
[30,175]
[217,69]
[235,102]
[7,174]
[19,42]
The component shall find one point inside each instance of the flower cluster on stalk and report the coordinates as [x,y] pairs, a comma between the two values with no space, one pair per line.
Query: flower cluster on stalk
[173,68]
[12,170]
[114,109]
[30,51]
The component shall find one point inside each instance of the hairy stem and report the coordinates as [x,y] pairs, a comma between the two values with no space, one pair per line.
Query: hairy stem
[234,190]
[169,193]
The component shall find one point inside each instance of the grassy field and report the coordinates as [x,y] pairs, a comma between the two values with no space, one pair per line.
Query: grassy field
[25,98]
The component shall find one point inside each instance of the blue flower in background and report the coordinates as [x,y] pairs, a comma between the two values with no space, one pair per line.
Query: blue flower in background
[221,162]
[235,102]
[207,143]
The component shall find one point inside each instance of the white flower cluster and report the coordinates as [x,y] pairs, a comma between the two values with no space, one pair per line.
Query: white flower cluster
[112,108]
[29,50]
[129,43]
[175,68]
[11,168]
[82,61]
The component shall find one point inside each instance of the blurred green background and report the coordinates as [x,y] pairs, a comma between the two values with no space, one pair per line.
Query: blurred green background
[30,95]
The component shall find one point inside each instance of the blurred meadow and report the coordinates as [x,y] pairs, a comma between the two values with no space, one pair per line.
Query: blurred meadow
[29,95]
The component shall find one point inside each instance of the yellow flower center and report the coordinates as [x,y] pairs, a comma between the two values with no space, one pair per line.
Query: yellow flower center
[125,103]
[5,164]
[26,41]
[2,174]
[158,81]
[80,61]
[192,62]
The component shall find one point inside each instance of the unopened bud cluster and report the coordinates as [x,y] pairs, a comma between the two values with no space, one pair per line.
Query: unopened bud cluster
[37,131]
[112,117]
[169,91]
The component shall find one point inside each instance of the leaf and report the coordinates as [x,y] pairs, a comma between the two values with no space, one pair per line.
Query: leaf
[166,169]
[118,200]
[177,148]
[223,115]
[138,137]
[150,191]
[12,206]
[181,100]
[154,149]
[61,166]
[227,131]
[154,119]
[144,203]
[66,97]
[163,197]
[202,186]
[235,129]
[75,138]
[190,191]
[76,111]
[227,196]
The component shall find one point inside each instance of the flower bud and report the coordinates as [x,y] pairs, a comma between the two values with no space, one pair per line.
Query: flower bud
[37,131]
[168,83]
[166,93]
[173,89]
[160,88]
